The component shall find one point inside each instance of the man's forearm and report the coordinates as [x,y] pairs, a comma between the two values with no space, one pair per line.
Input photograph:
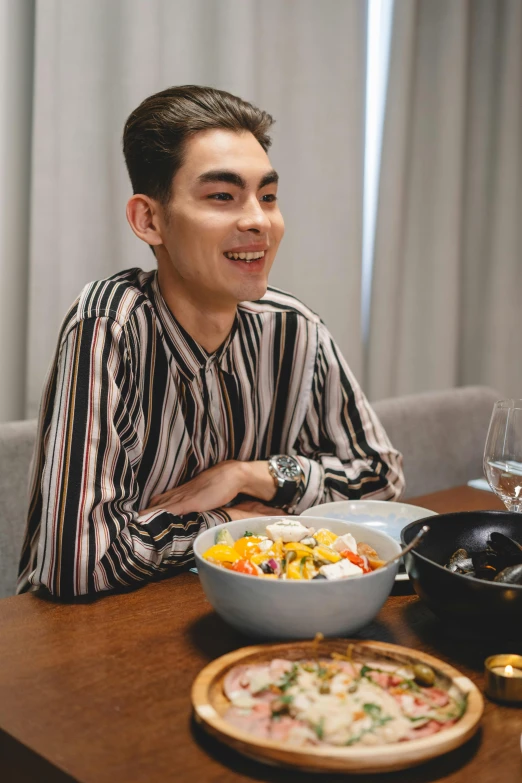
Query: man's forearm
[256,480]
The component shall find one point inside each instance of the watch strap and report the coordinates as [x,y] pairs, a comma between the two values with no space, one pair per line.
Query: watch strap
[284,495]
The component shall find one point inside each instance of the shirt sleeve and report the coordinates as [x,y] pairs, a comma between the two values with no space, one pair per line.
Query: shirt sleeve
[342,447]
[84,513]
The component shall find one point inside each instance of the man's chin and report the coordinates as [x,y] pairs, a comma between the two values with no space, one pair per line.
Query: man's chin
[254,290]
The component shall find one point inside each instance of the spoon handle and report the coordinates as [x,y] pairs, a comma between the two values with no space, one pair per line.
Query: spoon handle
[413,543]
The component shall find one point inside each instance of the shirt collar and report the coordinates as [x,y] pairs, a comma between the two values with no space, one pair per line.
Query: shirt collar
[190,356]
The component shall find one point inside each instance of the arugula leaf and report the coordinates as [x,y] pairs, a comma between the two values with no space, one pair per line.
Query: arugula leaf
[319,728]
[247,533]
[409,685]
[289,678]
[405,684]
[372,710]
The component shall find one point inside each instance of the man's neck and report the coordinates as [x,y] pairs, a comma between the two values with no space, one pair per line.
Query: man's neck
[207,325]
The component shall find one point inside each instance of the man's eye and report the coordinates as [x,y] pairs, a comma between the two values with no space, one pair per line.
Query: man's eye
[221,196]
[269,198]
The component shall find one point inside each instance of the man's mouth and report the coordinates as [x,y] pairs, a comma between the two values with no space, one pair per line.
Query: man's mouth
[247,257]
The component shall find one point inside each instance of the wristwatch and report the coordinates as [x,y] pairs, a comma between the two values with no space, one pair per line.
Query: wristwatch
[288,477]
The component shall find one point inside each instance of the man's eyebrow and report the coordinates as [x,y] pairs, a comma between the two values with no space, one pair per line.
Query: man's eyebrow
[268,179]
[222,175]
[233,178]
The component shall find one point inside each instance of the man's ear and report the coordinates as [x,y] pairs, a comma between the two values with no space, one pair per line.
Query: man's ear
[143,216]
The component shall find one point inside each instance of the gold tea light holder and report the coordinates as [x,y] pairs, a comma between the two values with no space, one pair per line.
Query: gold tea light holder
[504,677]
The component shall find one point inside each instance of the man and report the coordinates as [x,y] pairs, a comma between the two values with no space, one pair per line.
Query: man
[176,394]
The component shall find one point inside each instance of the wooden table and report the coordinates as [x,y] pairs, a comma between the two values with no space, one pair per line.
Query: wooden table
[99,692]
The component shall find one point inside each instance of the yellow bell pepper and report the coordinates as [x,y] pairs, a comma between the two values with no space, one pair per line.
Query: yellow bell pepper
[299,549]
[247,546]
[303,568]
[326,553]
[293,570]
[261,557]
[325,537]
[221,553]
[277,549]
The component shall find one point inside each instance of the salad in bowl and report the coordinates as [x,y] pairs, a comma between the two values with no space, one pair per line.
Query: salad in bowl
[277,578]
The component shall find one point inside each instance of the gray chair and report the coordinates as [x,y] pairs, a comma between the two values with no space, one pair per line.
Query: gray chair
[16,449]
[440,434]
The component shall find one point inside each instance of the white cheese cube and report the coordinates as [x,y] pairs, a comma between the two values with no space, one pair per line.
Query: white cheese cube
[290,530]
[345,542]
[340,570]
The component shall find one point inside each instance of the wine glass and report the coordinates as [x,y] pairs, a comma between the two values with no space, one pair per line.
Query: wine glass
[503,453]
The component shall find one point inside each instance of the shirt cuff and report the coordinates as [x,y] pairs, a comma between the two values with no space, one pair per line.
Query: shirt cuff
[208,518]
[313,483]
[213,518]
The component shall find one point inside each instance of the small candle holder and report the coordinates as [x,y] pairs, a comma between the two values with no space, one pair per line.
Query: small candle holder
[504,677]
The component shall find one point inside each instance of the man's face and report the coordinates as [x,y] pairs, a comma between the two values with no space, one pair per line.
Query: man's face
[223,203]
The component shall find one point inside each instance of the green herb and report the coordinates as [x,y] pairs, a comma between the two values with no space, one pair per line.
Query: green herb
[319,728]
[405,684]
[437,718]
[289,678]
[409,685]
[462,706]
[372,710]
[247,533]
[378,719]
[322,672]
[280,706]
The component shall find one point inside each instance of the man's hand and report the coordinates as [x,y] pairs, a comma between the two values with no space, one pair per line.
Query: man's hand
[251,509]
[213,488]
[216,487]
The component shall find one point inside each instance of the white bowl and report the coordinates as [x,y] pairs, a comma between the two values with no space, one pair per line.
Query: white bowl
[383,515]
[288,609]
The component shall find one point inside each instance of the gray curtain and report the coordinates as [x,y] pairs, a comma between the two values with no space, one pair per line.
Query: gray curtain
[301,60]
[447,284]
[16,101]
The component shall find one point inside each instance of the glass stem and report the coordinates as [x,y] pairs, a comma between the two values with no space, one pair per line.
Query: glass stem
[514,507]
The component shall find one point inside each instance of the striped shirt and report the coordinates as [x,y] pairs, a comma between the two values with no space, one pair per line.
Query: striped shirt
[133,407]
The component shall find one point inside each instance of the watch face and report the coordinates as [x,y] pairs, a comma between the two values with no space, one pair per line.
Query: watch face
[288,467]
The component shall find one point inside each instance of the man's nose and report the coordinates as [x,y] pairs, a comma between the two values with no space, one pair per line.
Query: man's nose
[253,217]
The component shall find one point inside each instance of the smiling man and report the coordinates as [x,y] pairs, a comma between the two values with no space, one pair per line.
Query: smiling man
[185,397]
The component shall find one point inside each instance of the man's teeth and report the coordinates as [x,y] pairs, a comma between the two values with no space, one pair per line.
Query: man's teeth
[248,257]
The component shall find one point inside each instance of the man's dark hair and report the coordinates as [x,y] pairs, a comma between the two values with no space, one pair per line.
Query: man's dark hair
[155,133]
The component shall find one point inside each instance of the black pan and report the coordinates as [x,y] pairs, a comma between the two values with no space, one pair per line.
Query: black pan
[468,604]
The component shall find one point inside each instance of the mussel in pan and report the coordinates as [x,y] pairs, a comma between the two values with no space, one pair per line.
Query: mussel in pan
[485,564]
[512,575]
[501,561]
[509,551]
[460,562]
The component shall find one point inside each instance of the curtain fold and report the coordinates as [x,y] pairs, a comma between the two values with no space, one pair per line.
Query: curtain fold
[447,280]
[302,61]
[16,88]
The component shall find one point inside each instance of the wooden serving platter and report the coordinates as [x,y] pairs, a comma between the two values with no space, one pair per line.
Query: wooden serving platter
[210,703]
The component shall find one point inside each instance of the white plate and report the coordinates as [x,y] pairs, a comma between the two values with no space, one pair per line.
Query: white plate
[382,515]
